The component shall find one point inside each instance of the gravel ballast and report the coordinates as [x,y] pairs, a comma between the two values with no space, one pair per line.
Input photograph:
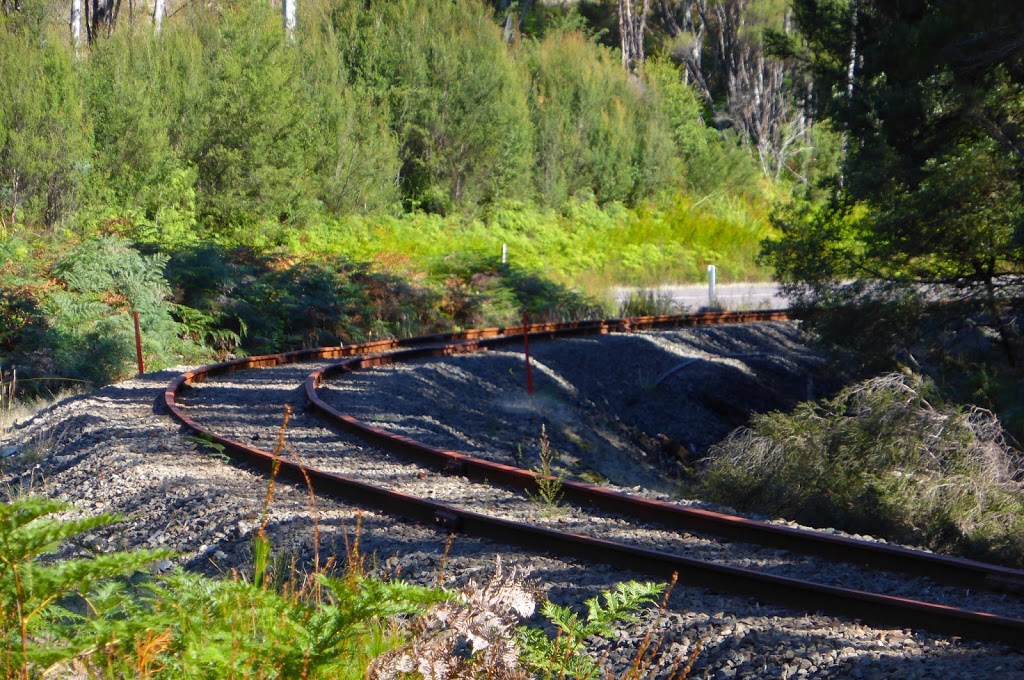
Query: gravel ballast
[113,450]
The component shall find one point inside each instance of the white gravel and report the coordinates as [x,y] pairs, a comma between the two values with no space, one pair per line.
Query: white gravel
[113,450]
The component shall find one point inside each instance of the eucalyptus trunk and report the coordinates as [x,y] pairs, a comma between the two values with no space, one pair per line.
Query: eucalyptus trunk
[288,10]
[632,28]
[76,23]
[158,15]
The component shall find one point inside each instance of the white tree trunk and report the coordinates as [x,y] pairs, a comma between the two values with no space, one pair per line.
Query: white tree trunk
[632,29]
[288,7]
[851,66]
[76,23]
[158,15]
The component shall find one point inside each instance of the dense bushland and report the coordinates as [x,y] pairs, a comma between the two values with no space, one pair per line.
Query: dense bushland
[246,192]
[219,125]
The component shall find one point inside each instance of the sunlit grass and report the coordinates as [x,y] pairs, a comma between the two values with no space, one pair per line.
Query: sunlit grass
[587,246]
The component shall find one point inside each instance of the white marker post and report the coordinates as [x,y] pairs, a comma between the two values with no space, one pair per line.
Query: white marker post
[712,297]
[504,253]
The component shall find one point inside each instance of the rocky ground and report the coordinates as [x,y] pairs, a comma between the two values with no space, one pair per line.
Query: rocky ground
[615,407]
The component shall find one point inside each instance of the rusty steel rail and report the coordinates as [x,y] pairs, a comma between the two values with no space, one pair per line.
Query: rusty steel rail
[952,570]
[871,607]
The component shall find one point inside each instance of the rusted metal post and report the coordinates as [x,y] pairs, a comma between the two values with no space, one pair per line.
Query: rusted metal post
[138,343]
[526,350]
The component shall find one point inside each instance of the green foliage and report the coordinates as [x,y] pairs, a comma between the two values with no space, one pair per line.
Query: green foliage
[549,483]
[234,628]
[64,615]
[90,316]
[646,302]
[221,127]
[458,105]
[886,458]
[480,291]
[711,160]
[596,134]
[34,592]
[136,168]
[355,152]
[560,657]
[22,315]
[938,193]
[44,134]
[246,127]
[59,616]
[272,304]
[584,244]
[219,133]
[71,315]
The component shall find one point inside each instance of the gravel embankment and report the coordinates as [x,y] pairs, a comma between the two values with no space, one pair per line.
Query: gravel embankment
[602,402]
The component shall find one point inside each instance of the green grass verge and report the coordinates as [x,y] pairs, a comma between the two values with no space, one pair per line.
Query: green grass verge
[587,246]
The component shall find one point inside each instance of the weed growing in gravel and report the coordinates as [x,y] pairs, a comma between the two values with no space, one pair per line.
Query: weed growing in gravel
[212,448]
[549,482]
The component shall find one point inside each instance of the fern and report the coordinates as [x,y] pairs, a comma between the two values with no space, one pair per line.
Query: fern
[33,590]
[103,281]
[560,657]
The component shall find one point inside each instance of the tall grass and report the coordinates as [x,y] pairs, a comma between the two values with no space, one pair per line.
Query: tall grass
[585,245]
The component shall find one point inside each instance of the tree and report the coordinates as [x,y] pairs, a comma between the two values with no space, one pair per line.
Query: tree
[288,16]
[930,96]
[100,17]
[632,27]
[76,23]
[744,85]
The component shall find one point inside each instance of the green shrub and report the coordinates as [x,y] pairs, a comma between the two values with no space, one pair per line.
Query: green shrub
[45,143]
[70,316]
[713,161]
[646,302]
[457,100]
[35,594]
[83,616]
[560,657]
[135,164]
[481,291]
[90,315]
[884,457]
[274,304]
[69,616]
[584,109]
[355,160]
[241,116]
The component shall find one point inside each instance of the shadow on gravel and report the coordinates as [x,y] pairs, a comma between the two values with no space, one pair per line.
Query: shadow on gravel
[635,410]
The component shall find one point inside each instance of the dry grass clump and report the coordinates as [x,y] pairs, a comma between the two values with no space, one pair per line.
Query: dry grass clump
[885,457]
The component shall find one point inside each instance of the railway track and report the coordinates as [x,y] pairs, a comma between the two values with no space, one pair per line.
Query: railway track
[482,509]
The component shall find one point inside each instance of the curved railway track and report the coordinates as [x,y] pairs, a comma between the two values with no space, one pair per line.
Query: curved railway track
[615,510]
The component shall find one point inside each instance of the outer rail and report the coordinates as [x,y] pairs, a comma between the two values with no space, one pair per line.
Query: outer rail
[867,606]
[953,570]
